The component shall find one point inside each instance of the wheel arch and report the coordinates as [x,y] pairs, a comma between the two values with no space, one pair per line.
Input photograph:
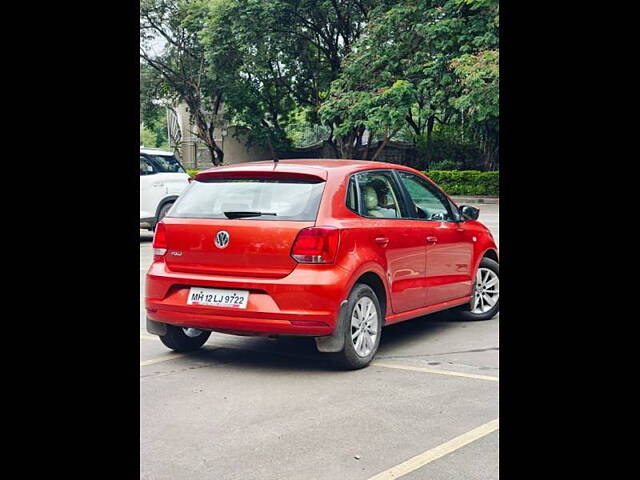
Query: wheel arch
[373,280]
[492,254]
[163,202]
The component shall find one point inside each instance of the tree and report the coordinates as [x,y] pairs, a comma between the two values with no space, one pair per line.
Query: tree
[173,27]
[415,43]
[479,76]
[281,56]
[153,115]
[147,137]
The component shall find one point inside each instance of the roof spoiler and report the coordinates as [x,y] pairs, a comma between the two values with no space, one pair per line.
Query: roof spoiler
[319,176]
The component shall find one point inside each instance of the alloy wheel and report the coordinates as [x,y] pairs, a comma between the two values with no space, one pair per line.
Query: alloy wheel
[486,291]
[364,326]
[192,332]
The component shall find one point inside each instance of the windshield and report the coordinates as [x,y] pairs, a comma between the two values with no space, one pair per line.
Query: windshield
[264,199]
[165,163]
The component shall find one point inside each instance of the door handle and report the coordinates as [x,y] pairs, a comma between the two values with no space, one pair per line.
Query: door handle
[432,239]
[384,241]
[157,184]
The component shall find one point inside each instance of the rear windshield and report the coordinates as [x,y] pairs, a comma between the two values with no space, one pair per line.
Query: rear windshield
[242,198]
[164,163]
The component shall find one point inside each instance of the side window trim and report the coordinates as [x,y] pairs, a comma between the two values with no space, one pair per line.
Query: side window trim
[352,181]
[433,189]
[406,198]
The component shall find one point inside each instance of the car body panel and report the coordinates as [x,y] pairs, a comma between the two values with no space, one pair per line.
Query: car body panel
[256,248]
[287,298]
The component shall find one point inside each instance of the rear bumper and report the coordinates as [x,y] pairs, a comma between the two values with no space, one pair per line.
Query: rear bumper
[305,302]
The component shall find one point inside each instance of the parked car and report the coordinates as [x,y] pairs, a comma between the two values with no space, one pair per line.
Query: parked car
[162,179]
[332,249]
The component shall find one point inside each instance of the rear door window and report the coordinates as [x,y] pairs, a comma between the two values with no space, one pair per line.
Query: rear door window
[259,199]
[380,196]
[165,163]
[146,167]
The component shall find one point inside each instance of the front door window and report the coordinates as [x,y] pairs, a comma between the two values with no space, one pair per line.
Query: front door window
[428,202]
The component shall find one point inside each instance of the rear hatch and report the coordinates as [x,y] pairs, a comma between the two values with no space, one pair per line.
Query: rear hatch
[245,226]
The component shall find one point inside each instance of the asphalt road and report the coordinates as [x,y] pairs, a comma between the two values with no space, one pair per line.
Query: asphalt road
[254,408]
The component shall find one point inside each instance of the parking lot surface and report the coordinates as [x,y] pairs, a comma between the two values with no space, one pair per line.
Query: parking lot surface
[257,408]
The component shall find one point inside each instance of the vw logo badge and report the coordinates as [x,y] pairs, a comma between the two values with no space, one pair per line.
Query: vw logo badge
[222,239]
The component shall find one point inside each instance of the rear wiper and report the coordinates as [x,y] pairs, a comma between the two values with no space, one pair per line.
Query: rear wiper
[246,214]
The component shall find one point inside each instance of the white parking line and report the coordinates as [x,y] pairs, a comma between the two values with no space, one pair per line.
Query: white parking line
[170,356]
[429,456]
[436,371]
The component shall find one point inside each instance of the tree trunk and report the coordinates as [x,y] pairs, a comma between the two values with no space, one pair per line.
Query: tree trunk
[345,145]
[428,148]
[359,134]
[274,156]
[384,144]
[217,155]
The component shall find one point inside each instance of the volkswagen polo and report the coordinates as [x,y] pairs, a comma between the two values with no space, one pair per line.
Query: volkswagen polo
[331,249]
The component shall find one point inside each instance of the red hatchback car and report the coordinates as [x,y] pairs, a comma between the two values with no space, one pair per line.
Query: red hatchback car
[332,249]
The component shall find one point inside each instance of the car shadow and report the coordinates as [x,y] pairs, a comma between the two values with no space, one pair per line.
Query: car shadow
[146,236]
[295,354]
[414,331]
[286,354]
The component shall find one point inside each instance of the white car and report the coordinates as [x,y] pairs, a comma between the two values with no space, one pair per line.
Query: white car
[162,180]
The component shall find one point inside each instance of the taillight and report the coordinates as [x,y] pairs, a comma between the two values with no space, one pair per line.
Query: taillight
[159,241]
[316,245]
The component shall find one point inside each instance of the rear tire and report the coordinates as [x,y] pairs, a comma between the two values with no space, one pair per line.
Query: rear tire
[361,329]
[488,278]
[176,339]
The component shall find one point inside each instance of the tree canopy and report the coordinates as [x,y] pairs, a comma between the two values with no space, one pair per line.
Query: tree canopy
[341,67]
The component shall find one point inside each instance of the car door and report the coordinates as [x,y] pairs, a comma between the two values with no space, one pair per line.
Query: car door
[449,248]
[171,177]
[151,188]
[390,232]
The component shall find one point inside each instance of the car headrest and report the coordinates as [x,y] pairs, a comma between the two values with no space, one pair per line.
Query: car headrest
[370,197]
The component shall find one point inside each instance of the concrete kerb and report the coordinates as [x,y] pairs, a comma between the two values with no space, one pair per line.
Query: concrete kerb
[462,200]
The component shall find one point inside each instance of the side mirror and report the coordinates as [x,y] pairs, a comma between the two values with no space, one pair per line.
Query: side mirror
[469,213]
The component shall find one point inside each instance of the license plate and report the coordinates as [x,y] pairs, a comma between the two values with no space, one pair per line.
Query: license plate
[215,297]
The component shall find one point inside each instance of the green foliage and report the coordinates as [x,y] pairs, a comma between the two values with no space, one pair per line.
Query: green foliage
[479,75]
[147,137]
[297,71]
[278,57]
[447,165]
[192,172]
[173,64]
[466,182]
[303,130]
[411,68]
[382,109]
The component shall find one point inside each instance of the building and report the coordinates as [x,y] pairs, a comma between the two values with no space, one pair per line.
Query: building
[193,152]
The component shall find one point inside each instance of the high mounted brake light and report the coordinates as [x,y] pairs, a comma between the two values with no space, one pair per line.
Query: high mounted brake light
[316,245]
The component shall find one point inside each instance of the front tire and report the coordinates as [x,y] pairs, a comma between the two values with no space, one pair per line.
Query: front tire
[485,298]
[184,339]
[361,329]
